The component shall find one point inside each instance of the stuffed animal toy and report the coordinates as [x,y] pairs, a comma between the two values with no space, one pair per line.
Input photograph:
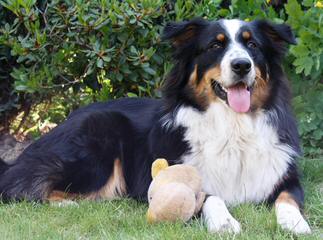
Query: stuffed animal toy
[175,192]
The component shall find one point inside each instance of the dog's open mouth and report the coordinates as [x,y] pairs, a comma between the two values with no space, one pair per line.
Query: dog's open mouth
[237,96]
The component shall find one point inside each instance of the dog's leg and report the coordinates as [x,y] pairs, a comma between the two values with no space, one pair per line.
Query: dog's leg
[288,214]
[217,216]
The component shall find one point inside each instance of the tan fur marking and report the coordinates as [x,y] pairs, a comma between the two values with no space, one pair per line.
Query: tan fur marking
[260,92]
[115,186]
[220,37]
[285,197]
[246,35]
[193,77]
[57,196]
[189,33]
[203,91]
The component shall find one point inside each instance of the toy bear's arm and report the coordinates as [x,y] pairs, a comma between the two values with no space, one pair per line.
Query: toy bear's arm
[199,202]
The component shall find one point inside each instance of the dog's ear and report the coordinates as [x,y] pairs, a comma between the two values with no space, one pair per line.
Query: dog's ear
[278,33]
[182,34]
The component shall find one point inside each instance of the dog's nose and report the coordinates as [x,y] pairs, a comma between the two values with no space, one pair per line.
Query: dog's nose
[241,66]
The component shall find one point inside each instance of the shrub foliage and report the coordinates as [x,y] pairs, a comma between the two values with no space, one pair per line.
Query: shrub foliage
[58,55]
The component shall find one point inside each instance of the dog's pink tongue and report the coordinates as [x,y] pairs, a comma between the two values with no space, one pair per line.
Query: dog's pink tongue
[239,99]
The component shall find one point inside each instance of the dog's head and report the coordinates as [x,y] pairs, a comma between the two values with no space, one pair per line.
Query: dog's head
[227,60]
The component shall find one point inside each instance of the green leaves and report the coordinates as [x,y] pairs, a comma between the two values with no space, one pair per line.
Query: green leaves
[308,109]
[304,64]
[295,13]
[77,41]
[18,7]
[309,26]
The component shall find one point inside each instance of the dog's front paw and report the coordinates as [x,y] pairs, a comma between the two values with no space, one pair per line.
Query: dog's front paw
[217,217]
[223,224]
[290,218]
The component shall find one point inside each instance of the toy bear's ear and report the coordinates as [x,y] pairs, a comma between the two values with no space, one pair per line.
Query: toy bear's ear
[158,165]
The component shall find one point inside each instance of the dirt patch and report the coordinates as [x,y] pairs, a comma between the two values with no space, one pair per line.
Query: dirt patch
[10,148]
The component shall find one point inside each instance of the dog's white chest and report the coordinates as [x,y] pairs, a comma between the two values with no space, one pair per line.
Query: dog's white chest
[239,156]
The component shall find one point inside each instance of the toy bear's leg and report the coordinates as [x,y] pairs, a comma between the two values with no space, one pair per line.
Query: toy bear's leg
[199,202]
[217,216]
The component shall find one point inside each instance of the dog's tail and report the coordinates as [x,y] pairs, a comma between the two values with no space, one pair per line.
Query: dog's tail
[30,177]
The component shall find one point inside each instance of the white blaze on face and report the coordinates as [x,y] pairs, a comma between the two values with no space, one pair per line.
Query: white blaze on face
[234,50]
[238,97]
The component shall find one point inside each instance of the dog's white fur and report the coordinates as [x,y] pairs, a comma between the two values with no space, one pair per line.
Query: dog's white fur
[232,26]
[239,156]
[217,216]
[235,50]
[290,218]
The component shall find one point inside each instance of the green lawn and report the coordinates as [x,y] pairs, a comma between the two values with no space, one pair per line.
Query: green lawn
[125,219]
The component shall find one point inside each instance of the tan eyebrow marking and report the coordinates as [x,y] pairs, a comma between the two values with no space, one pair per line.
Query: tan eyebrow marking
[246,35]
[220,37]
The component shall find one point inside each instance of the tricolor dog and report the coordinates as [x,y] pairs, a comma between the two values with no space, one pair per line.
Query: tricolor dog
[225,110]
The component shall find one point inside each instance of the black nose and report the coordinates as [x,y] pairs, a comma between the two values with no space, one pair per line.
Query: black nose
[241,66]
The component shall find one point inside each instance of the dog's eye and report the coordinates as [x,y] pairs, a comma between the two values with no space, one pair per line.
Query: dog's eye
[216,46]
[251,44]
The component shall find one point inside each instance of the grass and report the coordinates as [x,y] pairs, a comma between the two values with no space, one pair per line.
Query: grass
[125,219]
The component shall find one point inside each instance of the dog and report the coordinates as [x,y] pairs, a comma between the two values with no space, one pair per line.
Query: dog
[225,110]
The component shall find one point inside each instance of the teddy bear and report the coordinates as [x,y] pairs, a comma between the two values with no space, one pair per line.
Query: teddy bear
[175,193]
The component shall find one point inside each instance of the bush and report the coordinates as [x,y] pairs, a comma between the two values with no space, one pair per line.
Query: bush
[77,52]
[59,55]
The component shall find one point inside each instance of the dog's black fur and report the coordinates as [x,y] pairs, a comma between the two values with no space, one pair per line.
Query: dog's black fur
[78,156]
